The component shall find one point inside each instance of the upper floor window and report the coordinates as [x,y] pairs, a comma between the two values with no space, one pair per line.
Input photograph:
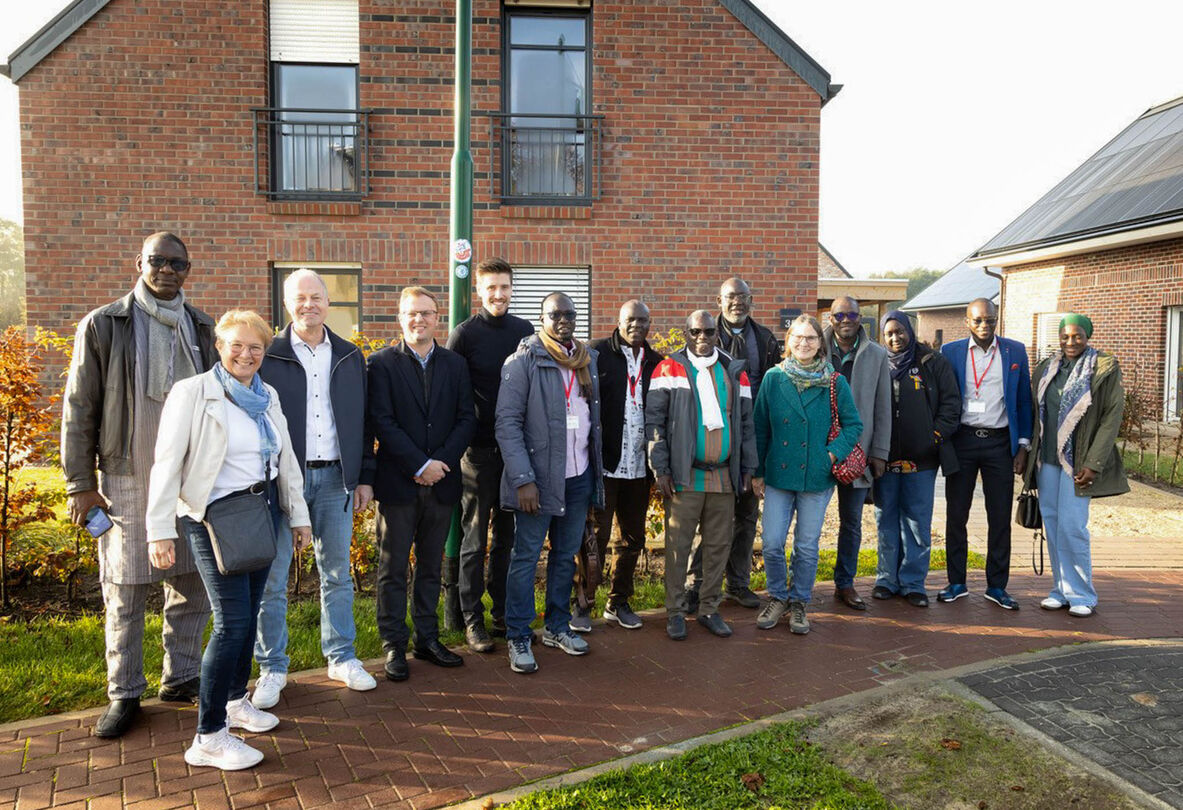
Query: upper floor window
[315,133]
[548,136]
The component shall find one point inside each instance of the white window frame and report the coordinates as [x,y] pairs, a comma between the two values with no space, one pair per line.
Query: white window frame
[1047,334]
[1172,396]
[531,285]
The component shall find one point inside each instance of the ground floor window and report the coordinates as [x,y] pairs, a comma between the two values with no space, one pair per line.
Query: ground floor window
[1173,384]
[344,283]
[1047,334]
[532,284]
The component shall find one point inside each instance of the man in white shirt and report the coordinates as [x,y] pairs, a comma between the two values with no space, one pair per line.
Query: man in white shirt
[321,380]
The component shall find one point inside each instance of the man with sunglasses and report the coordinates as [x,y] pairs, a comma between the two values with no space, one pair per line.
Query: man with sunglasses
[127,356]
[995,433]
[864,364]
[548,429]
[702,448]
[739,335]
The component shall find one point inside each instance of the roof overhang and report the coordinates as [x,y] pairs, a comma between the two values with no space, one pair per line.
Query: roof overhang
[865,290]
[780,44]
[52,34]
[1073,247]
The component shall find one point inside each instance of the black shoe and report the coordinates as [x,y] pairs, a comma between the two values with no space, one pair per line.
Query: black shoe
[715,624]
[917,599]
[1001,598]
[497,630]
[691,602]
[187,692]
[118,718]
[675,627]
[477,638]
[396,666]
[882,592]
[437,654]
[742,597]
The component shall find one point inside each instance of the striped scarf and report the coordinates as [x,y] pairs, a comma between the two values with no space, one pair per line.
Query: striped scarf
[1074,401]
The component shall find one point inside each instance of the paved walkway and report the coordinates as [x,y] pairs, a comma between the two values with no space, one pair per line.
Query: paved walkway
[449,735]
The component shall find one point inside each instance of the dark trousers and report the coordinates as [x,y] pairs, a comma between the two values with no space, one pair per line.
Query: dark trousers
[626,499]
[850,533]
[485,526]
[424,523]
[992,457]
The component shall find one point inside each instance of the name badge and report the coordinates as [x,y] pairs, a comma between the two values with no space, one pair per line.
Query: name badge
[976,406]
[572,422]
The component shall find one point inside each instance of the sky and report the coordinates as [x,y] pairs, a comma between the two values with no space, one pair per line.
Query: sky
[953,117]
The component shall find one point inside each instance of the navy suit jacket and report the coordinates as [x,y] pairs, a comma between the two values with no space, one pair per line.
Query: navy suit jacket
[1016,383]
[411,431]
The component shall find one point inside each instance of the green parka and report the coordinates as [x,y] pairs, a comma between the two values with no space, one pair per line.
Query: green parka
[1095,436]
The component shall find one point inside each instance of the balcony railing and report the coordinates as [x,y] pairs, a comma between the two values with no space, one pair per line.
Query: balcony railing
[312,154]
[545,158]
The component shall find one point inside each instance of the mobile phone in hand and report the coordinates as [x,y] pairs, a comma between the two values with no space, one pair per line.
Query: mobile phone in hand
[98,522]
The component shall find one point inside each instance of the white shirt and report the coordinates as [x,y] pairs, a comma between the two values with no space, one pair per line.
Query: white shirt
[320,429]
[632,442]
[983,384]
[243,464]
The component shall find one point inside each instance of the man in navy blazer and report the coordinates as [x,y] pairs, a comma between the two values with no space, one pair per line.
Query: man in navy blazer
[420,410]
[994,436]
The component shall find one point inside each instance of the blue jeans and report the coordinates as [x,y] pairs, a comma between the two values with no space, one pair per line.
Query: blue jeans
[1066,526]
[850,533]
[566,533]
[903,512]
[779,506]
[331,508]
[226,664]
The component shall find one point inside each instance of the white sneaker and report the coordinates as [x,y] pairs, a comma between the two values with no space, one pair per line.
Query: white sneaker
[1052,603]
[242,713]
[222,750]
[352,674]
[1080,611]
[267,689]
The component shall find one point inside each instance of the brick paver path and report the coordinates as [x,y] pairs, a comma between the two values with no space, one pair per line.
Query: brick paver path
[447,735]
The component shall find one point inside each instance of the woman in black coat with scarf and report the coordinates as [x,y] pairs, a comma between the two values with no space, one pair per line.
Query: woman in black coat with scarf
[926,410]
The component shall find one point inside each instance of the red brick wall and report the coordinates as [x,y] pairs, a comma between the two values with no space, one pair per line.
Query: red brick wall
[141,121]
[1126,292]
[952,321]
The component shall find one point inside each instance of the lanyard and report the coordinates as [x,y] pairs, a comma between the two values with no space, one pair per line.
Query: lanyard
[979,380]
[567,390]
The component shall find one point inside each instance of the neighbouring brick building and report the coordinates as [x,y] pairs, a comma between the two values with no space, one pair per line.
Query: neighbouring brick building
[621,149]
[939,308]
[1107,241]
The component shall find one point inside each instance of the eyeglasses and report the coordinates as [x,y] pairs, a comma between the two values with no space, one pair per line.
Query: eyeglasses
[251,348]
[844,316]
[708,331]
[557,315]
[980,321]
[804,338]
[177,265]
[425,314]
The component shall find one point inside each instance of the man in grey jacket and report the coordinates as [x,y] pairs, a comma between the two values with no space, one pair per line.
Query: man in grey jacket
[127,355]
[702,447]
[548,429]
[865,366]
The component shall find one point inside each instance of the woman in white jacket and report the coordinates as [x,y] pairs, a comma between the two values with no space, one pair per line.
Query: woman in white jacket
[222,432]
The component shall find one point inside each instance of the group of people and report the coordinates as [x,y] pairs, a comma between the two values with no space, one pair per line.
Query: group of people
[167,414]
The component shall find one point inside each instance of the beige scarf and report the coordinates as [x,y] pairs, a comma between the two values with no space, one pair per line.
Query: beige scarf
[578,361]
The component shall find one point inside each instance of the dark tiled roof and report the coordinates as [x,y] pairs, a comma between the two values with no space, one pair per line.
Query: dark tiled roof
[957,287]
[1134,181]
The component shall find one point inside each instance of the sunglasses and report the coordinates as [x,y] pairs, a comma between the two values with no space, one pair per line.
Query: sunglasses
[844,316]
[177,265]
[980,321]
[562,315]
[707,332]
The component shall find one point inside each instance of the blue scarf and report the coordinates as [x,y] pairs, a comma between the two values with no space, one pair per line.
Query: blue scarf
[1074,401]
[254,400]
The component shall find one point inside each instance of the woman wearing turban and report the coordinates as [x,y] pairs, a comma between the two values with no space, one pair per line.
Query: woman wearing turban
[1078,401]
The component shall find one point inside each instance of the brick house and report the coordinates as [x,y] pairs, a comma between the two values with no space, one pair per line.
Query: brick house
[621,150]
[939,308]
[1107,241]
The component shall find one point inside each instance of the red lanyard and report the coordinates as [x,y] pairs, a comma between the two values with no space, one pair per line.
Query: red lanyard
[567,390]
[979,380]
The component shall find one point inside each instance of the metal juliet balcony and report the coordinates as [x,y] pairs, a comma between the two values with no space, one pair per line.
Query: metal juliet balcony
[312,154]
[543,158]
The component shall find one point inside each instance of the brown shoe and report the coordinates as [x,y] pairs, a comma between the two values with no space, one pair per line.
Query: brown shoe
[849,596]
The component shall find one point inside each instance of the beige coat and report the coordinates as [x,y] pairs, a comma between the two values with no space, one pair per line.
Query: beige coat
[190,449]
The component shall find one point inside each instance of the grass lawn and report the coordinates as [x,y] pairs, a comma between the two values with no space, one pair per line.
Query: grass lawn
[775,768]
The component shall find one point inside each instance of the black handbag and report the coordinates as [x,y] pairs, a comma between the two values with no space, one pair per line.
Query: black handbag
[241,531]
[1027,511]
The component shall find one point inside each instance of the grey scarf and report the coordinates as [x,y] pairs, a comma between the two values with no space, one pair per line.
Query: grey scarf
[168,355]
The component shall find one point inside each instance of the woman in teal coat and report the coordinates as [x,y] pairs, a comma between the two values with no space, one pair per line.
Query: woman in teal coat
[795,457]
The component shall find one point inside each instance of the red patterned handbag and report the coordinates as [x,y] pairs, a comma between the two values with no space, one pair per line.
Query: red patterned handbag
[851,467]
